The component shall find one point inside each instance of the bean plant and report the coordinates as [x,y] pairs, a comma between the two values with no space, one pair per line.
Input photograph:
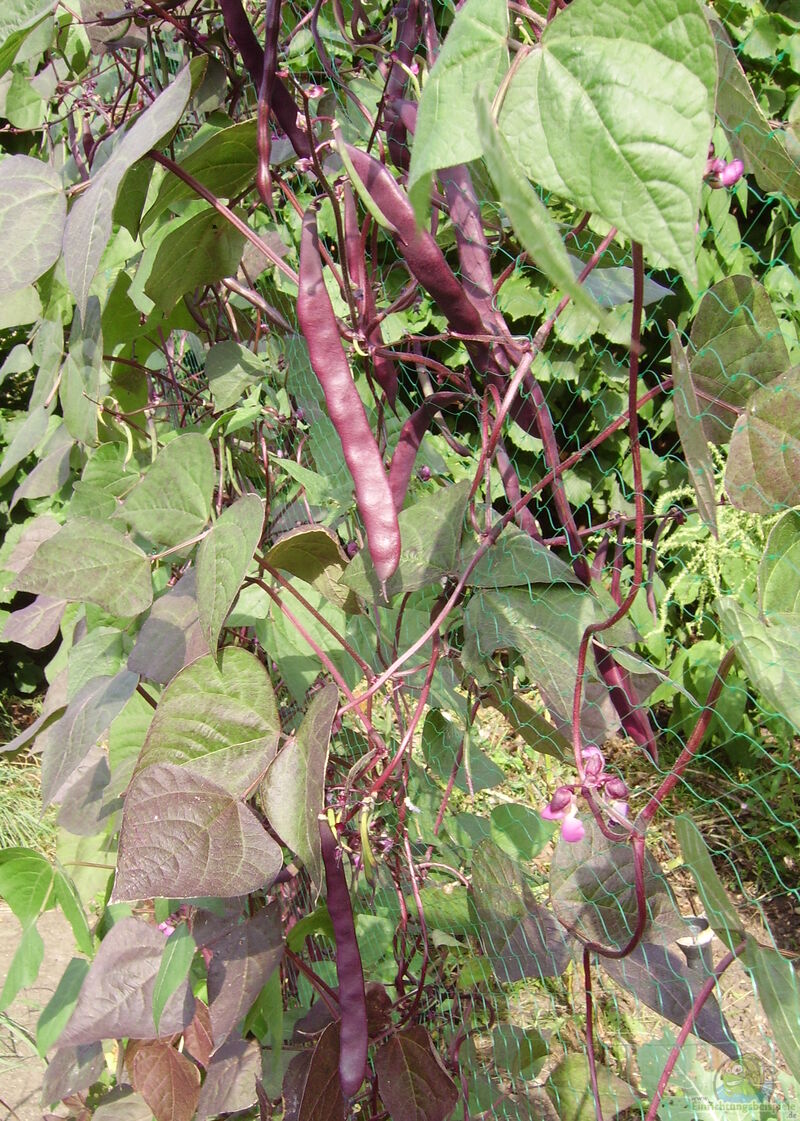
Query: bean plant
[361,362]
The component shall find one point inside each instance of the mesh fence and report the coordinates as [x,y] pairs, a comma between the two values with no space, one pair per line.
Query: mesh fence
[498,1002]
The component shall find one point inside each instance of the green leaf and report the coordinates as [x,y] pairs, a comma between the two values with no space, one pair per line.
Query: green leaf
[26,437]
[520,1051]
[90,562]
[24,967]
[17,20]
[779,571]
[314,555]
[69,901]
[445,908]
[613,110]
[752,137]
[737,348]
[292,793]
[222,562]
[769,653]
[763,469]
[172,503]
[546,630]
[225,164]
[88,226]
[441,742]
[33,210]
[221,721]
[718,908]
[82,374]
[569,1088]
[519,831]
[230,369]
[60,1006]
[197,251]
[174,968]
[475,51]
[514,560]
[777,986]
[527,213]
[26,879]
[690,431]
[430,532]
[183,836]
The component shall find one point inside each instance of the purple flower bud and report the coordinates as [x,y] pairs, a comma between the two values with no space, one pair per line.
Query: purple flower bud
[616,788]
[731,173]
[594,767]
[424,473]
[717,165]
[351,548]
[300,415]
[561,799]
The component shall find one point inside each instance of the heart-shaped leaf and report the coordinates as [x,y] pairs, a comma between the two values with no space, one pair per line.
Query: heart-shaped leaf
[412,1081]
[586,115]
[221,720]
[763,469]
[33,210]
[167,1080]
[241,964]
[183,836]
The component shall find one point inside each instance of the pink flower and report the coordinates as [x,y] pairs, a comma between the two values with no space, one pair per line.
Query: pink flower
[562,807]
[731,173]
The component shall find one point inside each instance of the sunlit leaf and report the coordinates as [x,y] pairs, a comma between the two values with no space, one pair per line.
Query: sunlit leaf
[33,210]
[222,562]
[242,962]
[690,430]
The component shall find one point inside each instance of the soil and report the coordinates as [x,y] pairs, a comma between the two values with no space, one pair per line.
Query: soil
[21,1069]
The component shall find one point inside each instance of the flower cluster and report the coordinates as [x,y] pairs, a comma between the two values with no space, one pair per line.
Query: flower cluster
[563,806]
[720,173]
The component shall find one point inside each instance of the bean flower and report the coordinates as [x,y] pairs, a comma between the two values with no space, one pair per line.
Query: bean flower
[563,806]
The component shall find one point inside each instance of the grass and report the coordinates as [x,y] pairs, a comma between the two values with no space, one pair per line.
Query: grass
[22,823]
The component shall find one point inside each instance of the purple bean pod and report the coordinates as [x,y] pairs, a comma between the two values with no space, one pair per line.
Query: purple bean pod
[353,1034]
[329,362]
[422,255]
[283,105]
[383,368]
[407,37]
[405,452]
[633,717]
[272,28]
[524,519]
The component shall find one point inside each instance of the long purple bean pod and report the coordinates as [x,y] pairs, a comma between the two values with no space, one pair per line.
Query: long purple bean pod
[383,368]
[272,28]
[407,37]
[422,255]
[353,1033]
[633,718]
[410,438]
[283,105]
[317,321]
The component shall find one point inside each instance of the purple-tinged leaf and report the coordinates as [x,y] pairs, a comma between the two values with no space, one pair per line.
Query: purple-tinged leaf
[763,468]
[230,1082]
[520,937]
[219,719]
[122,1104]
[311,1087]
[662,980]
[688,420]
[170,637]
[222,562]
[90,562]
[241,964]
[84,809]
[89,714]
[593,891]
[71,1070]
[291,793]
[197,1039]
[33,535]
[412,1082]
[117,997]
[26,435]
[36,625]
[183,836]
[167,1080]
[570,1090]
[314,555]
[737,347]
